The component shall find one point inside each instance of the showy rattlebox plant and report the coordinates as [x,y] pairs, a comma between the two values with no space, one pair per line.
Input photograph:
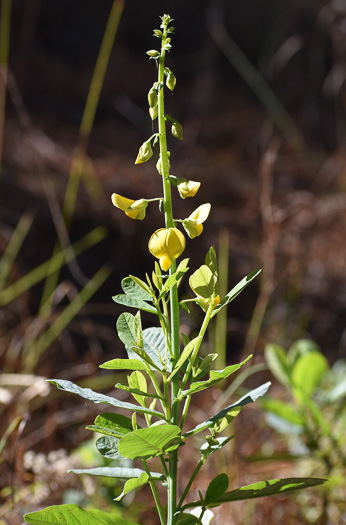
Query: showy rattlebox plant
[166,368]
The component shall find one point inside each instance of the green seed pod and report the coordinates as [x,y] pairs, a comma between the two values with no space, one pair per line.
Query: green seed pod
[177,130]
[171,81]
[152,98]
[153,112]
[153,53]
[145,152]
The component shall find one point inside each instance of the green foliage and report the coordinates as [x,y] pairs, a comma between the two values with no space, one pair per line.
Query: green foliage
[73,515]
[314,420]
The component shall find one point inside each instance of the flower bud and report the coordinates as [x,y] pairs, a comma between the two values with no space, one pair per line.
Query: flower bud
[152,98]
[167,244]
[171,81]
[153,112]
[145,152]
[153,53]
[159,166]
[177,130]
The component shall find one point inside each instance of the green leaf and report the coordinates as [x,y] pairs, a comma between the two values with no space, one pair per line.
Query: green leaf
[223,423]
[126,329]
[308,370]
[133,484]
[216,489]
[214,377]
[208,449]
[204,364]
[283,410]
[150,442]
[94,397]
[111,424]
[108,447]
[300,348]
[236,291]
[211,261]
[185,355]
[187,519]
[250,397]
[175,278]
[117,472]
[132,302]
[124,364]
[276,360]
[137,391]
[132,289]
[71,514]
[202,282]
[155,347]
[138,382]
[263,488]
[141,284]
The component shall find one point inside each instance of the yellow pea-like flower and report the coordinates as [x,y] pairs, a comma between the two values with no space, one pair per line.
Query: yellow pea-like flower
[167,244]
[133,209]
[188,188]
[193,224]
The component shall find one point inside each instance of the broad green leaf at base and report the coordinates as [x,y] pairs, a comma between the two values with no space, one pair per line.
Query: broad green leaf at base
[71,514]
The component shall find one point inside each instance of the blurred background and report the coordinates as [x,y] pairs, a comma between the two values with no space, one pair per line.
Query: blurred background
[261,95]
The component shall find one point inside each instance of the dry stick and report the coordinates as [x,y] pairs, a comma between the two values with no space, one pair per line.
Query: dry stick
[80,155]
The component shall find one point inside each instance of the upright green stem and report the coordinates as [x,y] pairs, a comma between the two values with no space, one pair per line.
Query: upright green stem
[174,306]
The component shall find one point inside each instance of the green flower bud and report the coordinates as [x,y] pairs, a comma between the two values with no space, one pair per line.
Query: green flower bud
[159,166]
[177,130]
[152,98]
[145,152]
[171,81]
[158,33]
[153,53]
[153,112]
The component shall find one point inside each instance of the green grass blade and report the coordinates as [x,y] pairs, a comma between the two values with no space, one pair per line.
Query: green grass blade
[52,265]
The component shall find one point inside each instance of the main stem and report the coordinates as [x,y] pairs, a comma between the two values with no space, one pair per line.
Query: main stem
[174,306]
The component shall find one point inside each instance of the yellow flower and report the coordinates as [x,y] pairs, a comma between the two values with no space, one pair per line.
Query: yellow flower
[167,244]
[193,224]
[133,209]
[188,188]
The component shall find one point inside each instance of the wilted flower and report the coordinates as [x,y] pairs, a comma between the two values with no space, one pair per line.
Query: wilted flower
[133,209]
[193,224]
[167,244]
[188,188]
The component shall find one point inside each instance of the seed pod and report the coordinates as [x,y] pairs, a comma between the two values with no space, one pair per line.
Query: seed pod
[145,152]
[153,53]
[171,81]
[152,98]
[153,112]
[177,130]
